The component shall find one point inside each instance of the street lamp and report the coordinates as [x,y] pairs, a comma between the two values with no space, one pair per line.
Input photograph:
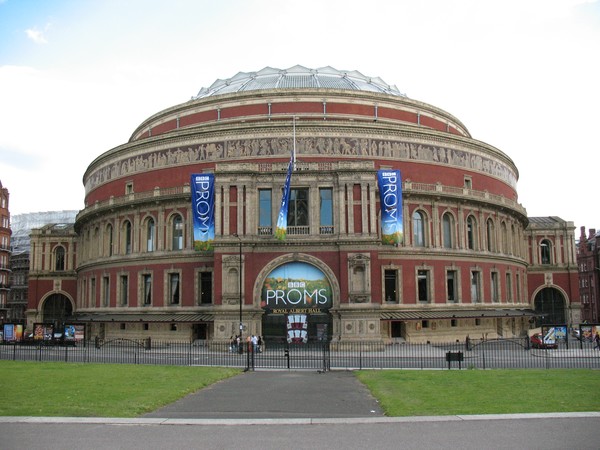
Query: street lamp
[241,346]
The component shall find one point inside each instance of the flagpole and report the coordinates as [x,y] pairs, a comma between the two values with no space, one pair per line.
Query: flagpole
[294,143]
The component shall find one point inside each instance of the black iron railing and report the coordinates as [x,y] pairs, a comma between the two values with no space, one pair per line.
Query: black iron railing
[321,356]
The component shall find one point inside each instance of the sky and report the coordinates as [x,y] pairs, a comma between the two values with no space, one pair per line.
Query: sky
[78,76]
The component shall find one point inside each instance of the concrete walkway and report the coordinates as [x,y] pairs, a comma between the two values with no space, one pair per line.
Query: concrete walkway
[277,395]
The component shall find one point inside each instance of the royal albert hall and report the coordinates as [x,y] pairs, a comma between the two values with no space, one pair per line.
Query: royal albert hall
[461,267]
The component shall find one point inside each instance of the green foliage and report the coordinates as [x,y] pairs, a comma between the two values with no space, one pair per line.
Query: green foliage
[203,246]
[449,392]
[97,390]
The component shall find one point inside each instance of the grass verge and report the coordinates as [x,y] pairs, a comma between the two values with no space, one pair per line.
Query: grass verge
[97,390]
[433,393]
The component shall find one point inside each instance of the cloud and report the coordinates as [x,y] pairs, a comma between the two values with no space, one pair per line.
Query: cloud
[38,36]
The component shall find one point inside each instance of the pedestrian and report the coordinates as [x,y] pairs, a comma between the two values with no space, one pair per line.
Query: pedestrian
[254,344]
[597,340]
[259,340]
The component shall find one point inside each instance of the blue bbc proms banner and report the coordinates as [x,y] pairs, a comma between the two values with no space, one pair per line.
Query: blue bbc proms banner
[390,195]
[203,209]
[296,288]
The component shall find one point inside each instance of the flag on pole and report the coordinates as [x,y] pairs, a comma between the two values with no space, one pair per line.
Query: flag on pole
[390,195]
[281,228]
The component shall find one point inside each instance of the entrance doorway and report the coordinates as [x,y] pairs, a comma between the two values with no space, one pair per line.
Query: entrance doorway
[200,331]
[57,309]
[296,328]
[550,307]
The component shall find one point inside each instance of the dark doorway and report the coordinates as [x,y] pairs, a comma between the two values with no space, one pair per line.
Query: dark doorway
[397,329]
[57,309]
[200,331]
[550,307]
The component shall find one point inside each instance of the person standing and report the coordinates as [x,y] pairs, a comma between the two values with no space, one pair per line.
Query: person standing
[597,340]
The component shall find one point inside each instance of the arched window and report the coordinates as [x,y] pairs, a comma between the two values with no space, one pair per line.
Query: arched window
[127,237]
[471,233]
[150,235]
[490,235]
[59,259]
[448,230]
[418,229]
[177,232]
[546,251]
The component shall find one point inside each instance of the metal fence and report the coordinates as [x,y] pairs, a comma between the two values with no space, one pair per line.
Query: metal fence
[322,356]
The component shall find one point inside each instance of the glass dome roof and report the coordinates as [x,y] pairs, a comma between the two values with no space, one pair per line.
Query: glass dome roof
[298,77]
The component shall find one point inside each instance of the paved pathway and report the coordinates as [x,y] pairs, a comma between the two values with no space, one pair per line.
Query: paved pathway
[276,395]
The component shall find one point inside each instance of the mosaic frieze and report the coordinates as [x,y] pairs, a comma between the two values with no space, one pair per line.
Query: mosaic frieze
[343,146]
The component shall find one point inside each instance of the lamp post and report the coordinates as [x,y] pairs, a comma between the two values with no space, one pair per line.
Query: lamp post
[241,346]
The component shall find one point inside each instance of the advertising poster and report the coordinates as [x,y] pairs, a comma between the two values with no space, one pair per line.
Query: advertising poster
[560,333]
[9,335]
[588,332]
[43,332]
[74,333]
[390,196]
[297,329]
[202,186]
[38,332]
[296,288]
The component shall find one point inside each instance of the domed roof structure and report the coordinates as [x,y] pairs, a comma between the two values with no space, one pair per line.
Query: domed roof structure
[298,77]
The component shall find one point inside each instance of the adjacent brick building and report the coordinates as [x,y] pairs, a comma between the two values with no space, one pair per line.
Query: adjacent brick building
[588,258]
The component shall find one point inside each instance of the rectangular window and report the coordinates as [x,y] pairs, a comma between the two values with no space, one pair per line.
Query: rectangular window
[174,288]
[518,281]
[265,217]
[326,210]
[93,292]
[205,287]
[147,281]
[124,287]
[105,291]
[298,208]
[495,287]
[451,285]
[391,285]
[475,286]
[129,188]
[423,285]
[509,293]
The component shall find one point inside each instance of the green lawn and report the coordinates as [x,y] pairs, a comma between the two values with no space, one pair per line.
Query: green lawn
[432,393]
[113,390]
[97,390]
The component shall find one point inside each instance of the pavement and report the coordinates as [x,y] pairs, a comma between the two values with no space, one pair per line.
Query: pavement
[281,397]
[277,395]
[301,409]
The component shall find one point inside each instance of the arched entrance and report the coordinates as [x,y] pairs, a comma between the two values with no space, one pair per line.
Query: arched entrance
[57,309]
[549,305]
[296,297]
